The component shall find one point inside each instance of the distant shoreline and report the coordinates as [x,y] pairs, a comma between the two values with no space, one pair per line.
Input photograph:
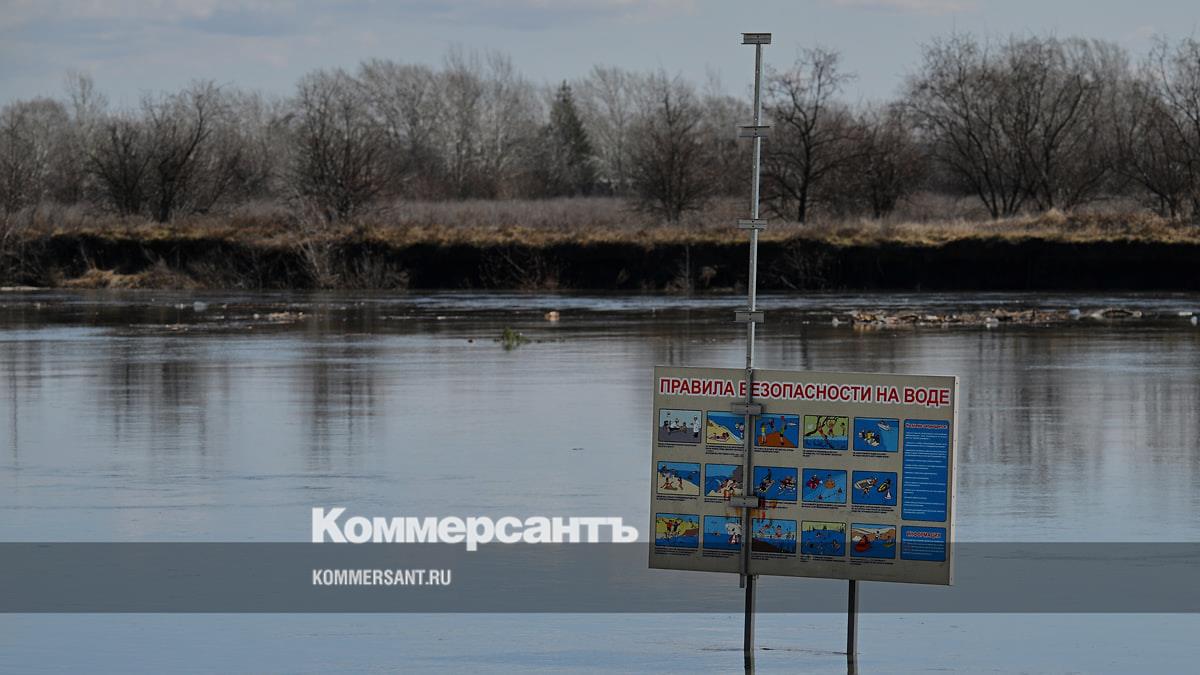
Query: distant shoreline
[1042,253]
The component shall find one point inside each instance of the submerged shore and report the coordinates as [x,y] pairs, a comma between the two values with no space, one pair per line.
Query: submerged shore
[1027,255]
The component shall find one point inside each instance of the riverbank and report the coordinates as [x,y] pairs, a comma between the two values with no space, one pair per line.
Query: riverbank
[1049,252]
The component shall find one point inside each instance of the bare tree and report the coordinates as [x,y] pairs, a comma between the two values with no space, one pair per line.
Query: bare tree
[510,122]
[730,157]
[86,104]
[1147,148]
[958,99]
[179,128]
[185,152]
[337,164]
[1173,74]
[491,120]
[87,109]
[887,163]
[240,156]
[405,101]
[1022,123]
[119,160]
[811,134]
[608,109]
[1051,94]
[31,150]
[670,171]
[250,149]
[464,91]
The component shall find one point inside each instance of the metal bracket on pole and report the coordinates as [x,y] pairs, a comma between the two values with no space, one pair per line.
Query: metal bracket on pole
[747,316]
[752,224]
[743,408]
[754,130]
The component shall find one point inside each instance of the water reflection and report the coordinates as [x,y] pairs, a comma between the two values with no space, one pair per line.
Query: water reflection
[141,417]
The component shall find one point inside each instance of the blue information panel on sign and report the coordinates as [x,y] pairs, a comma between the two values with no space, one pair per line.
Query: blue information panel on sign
[923,543]
[926,470]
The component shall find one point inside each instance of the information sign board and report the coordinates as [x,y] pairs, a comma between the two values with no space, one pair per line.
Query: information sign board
[855,473]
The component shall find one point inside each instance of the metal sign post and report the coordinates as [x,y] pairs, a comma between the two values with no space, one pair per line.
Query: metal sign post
[852,625]
[852,478]
[751,316]
[858,469]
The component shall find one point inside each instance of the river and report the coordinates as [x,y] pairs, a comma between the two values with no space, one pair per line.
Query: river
[153,416]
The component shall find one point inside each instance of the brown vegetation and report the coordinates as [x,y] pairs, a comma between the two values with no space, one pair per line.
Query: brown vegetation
[544,244]
[592,220]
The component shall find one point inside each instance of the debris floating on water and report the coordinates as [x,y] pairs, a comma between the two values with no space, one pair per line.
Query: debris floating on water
[1115,313]
[552,315]
[987,318]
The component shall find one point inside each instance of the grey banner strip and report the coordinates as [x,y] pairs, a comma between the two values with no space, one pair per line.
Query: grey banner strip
[279,577]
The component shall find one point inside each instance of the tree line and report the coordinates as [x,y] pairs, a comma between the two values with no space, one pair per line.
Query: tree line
[1018,125]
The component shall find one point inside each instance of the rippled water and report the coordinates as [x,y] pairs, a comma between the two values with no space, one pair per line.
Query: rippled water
[152,416]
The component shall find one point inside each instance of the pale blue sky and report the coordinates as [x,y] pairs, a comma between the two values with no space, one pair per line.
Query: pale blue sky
[132,46]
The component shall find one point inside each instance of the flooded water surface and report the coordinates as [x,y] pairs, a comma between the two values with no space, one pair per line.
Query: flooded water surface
[152,416]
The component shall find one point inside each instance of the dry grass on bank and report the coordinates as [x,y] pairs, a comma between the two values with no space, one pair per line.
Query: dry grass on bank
[158,275]
[589,221]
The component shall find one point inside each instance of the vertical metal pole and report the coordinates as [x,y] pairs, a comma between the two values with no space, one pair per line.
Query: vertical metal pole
[852,625]
[748,631]
[753,285]
[747,579]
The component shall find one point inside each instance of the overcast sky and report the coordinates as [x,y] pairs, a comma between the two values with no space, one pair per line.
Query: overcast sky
[133,46]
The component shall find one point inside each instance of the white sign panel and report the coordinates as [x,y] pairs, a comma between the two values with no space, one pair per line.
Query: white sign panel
[855,473]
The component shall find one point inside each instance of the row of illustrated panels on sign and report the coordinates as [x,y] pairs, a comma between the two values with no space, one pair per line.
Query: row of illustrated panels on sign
[779,536]
[778,483]
[819,432]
